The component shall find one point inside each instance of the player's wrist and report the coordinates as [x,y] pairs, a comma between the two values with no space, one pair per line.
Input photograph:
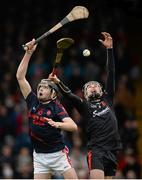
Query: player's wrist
[29,52]
[58,125]
[111,47]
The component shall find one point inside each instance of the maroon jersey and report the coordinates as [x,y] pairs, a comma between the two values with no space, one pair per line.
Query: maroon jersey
[44,137]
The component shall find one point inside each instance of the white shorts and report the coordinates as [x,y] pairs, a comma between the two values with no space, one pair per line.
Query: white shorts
[48,162]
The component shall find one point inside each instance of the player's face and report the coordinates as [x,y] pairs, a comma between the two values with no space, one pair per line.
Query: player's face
[93,88]
[44,93]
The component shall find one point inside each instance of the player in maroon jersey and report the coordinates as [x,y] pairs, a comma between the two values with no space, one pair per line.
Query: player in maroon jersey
[47,117]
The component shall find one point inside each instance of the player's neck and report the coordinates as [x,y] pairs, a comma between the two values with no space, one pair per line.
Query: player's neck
[46,102]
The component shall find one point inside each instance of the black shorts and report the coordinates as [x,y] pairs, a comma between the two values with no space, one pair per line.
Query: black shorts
[103,160]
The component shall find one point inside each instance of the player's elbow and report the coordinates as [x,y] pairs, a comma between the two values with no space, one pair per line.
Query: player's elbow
[19,76]
[69,125]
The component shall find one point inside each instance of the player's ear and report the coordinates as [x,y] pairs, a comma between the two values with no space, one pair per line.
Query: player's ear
[53,94]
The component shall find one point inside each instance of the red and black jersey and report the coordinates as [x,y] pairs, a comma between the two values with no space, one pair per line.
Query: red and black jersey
[99,116]
[44,137]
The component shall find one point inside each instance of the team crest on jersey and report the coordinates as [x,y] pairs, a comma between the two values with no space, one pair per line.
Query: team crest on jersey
[40,112]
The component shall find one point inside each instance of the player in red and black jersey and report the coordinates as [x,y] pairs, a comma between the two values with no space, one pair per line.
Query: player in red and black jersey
[100,121]
[47,117]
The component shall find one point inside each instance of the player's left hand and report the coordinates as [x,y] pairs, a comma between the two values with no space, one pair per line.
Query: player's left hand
[107,42]
[52,123]
[54,78]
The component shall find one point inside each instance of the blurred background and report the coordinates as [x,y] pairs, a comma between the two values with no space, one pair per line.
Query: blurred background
[23,20]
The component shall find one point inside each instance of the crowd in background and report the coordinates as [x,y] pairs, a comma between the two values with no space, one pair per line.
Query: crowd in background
[28,19]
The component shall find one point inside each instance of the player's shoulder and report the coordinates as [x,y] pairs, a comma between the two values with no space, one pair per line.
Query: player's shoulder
[31,96]
[31,100]
[56,103]
[57,106]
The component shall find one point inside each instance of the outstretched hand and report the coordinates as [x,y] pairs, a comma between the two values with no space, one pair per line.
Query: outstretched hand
[108,41]
[53,78]
[52,123]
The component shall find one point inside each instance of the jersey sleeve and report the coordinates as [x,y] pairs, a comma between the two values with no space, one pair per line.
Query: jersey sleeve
[76,101]
[110,80]
[31,100]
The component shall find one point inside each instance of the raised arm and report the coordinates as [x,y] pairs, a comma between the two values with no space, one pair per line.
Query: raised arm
[110,66]
[67,124]
[22,69]
[76,101]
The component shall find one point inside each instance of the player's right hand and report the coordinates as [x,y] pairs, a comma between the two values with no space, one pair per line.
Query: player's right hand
[52,123]
[31,46]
